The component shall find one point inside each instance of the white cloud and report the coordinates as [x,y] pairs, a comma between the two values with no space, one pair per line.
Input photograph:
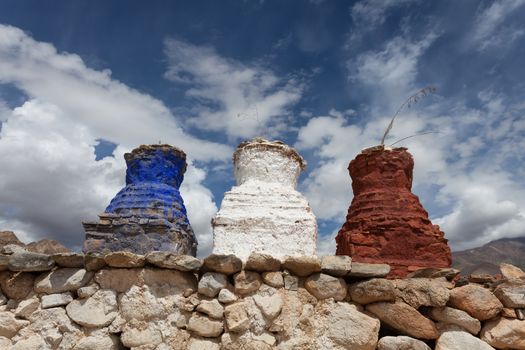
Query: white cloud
[326,244]
[490,28]
[372,13]
[244,101]
[50,180]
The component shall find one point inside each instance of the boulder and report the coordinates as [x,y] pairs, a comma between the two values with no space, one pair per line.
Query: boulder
[273,279]
[457,317]
[302,265]
[211,308]
[54,300]
[211,283]
[324,286]
[371,291]
[226,264]
[364,270]
[124,259]
[418,292]
[511,294]
[404,318]
[62,280]
[204,326]
[247,282]
[99,310]
[226,296]
[26,307]
[511,272]
[30,262]
[458,340]
[477,301]
[69,259]
[16,285]
[336,265]
[504,333]
[236,316]
[169,260]
[401,343]
[262,262]
[119,280]
[9,325]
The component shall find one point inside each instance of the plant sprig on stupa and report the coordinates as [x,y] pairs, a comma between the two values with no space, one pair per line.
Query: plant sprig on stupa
[408,103]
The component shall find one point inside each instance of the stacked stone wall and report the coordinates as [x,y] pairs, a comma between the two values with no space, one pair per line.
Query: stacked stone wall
[163,301]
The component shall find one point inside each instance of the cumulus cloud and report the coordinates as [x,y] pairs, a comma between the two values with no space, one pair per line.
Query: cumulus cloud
[241,100]
[50,179]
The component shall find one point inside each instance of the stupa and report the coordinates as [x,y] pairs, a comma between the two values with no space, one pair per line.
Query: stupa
[148,214]
[386,223]
[264,213]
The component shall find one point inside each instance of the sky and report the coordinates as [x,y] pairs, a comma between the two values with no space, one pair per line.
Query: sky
[83,82]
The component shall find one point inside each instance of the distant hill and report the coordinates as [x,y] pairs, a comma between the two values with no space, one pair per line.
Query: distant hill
[485,259]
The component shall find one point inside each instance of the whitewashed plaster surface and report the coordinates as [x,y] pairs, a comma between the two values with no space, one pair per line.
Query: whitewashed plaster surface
[264,212]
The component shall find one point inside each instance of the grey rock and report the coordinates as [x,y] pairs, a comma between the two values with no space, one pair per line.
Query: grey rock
[273,279]
[371,291]
[511,294]
[262,262]
[26,307]
[419,292]
[99,310]
[457,317]
[458,340]
[204,326]
[364,270]
[54,300]
[211,283]
[401,343]
[226,297]
[302,265]
[62,280]
[170,260]
[211,308]
[336,265]
[323,286]
[30,262]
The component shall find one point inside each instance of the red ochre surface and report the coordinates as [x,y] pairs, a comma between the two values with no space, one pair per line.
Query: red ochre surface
[386,223]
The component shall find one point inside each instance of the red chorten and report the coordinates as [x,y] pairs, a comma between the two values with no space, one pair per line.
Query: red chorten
[386,223]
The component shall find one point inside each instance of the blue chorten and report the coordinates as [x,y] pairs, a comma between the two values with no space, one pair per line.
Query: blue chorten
[148,214]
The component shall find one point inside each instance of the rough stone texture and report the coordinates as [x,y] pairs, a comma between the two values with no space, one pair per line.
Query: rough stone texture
[16,285]
[262,262]
[226,297]
[418,292]
[54,300]
[119,280]
[457,340]
[211,308]
[169,260]
[26,307]
[124,260]
[264,213]
[227,264]
[203,344]
[211,283]
[62,280]
[9,325]
[405,319]
[148,214]
[69,259]
[99,310]
[204,326]
[365,270]
[4,262]
[270,304]
[247,282]
[339,265]
[47,246]
[457,317]
[432,272]
[29,261]
[510,271]
[477,301]
[386,223]
[324,286]
[9,237]
[504,333]
[274,279]
[236,317]
[94,262]
[401,343]
[302,265]
[371,291]
[511,294]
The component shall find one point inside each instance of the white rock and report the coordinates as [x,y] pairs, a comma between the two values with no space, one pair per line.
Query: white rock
[457,317]
[264,213]
[211,308]
[401,343]
[236,317]
[9,325]
[53,300]
[62,280]
[26,307]
[203,344]
[140,333]
[457,340]
[226,297]
[34,342]
[211,283]
[99,310]
[5,343]
[204,326]
[269,305]
[98,341]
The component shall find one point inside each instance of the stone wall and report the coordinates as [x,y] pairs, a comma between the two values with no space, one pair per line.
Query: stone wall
[163,301]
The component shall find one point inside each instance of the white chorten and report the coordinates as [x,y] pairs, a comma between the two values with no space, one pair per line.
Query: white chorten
[264,213]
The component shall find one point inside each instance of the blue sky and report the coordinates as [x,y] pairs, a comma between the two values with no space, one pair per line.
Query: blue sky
[82,82]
